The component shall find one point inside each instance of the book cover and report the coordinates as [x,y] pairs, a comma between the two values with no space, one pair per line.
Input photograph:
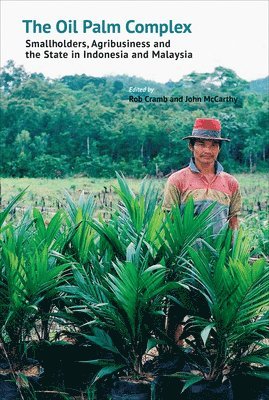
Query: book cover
[89,88]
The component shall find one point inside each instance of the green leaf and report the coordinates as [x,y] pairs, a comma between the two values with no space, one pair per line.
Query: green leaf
[5,212]
[108,371]
[188,377]
[256,360]
[206,331]
[191,381]
[101,361]
[102,339]
[153,342]
[262,374]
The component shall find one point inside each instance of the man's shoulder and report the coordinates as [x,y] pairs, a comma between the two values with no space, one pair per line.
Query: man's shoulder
[177,176]
[231,180]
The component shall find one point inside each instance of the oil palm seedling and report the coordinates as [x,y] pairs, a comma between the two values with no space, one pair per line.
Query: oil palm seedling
[136,215]
[233,340]
[31,270]
[83,244]
[123,309]
[182,230]
[164,235]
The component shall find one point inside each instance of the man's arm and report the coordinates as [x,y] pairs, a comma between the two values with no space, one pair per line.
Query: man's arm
[235,208]
[171,196]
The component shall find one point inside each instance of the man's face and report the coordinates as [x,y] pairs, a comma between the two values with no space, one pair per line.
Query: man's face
[205,151]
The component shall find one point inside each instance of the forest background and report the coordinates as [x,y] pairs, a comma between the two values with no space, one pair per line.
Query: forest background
[81,125]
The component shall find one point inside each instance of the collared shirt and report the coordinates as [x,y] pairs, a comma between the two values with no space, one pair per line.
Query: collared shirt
[190,182]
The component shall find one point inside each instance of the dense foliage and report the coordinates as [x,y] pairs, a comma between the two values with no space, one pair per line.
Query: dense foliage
[112,284]
[86,125]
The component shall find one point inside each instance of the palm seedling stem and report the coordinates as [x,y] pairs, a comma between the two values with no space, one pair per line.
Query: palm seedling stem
[138,365]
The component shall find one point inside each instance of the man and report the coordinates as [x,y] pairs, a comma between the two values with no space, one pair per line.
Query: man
[204,178]
[205,181]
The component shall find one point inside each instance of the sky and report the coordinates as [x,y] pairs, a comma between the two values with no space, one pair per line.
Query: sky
[232,34]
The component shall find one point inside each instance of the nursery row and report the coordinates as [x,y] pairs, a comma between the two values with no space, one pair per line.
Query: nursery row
[145,305]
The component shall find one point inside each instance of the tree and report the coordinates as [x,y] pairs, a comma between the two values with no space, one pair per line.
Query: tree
[12,76]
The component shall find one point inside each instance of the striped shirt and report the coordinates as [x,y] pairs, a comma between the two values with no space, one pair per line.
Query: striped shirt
[190,182]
